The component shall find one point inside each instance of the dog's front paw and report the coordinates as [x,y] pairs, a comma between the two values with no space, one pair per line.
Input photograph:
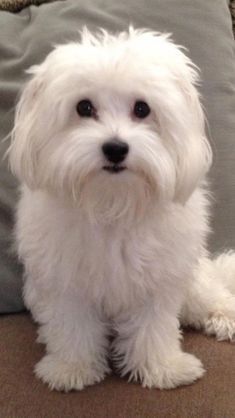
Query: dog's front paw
[64,376]
[182,369]
[222,325]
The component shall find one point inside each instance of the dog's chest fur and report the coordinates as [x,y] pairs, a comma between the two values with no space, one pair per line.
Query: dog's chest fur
[113,266]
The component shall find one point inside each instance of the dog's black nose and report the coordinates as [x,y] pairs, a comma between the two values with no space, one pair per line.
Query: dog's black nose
[115,151]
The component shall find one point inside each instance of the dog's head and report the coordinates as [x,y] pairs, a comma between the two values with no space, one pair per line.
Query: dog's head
[110,118]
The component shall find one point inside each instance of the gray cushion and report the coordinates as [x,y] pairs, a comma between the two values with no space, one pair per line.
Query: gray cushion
[204,27]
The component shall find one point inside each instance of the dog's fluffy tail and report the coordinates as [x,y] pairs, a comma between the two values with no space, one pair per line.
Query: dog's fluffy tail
[210,301]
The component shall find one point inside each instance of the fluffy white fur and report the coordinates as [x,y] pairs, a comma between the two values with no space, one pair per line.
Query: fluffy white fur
[117,253]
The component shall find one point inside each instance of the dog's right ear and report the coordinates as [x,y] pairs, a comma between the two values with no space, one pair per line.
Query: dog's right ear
[22,152]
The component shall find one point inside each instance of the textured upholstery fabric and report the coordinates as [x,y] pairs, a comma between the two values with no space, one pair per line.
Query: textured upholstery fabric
[17,5]
[23,396]
[204,27]
[232,10]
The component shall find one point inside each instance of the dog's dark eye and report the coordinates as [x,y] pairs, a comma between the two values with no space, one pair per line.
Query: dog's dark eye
[85,109]
[141,109]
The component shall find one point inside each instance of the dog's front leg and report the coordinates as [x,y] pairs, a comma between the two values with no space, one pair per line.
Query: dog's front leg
[148,348]
[76,343]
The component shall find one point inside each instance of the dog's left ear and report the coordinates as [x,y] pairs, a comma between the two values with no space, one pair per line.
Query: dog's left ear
[23,149]
[194,156]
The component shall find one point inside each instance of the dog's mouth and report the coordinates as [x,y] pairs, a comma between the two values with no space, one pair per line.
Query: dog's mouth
[115,168]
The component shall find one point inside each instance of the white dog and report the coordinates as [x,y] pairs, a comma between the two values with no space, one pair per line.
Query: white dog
[110,146]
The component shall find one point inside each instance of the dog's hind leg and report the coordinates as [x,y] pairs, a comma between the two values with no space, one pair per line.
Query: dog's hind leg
[210,301]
